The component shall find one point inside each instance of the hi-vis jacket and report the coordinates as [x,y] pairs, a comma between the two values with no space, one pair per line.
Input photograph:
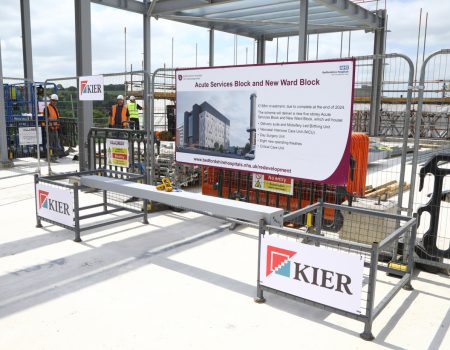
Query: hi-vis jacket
[53,113]
[133,110]
[124,118]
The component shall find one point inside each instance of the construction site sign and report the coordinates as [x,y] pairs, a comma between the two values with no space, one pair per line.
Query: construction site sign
[291,119]
[318,274]
[27,136]
[117,153]
[273,183]
[55,204]
[91,88]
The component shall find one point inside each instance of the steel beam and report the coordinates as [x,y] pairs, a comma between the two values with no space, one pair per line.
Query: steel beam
[303,30]
[26,39]
[84,67]
[167,6]
[127,5]
[4,161]
[350,9]
[214,206]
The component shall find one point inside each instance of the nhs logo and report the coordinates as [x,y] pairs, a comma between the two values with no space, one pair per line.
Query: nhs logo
[344,67]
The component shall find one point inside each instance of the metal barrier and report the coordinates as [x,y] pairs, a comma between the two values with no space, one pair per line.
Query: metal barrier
[134,148]
[68,132]
[376,256]
[68,137]
[21,121]
[113,89]
[396,82]
[56,194]
[387,160]
[430,165]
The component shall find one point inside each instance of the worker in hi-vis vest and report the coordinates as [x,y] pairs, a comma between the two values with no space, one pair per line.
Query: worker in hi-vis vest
[119,115]
[53,129]
[133,109]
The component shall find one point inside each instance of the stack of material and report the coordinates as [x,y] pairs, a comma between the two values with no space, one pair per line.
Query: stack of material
[166,160]
[363,228]
[386,190]
[182,175]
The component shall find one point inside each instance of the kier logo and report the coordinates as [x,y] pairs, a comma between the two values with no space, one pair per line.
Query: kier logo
[278,261]
[43,202]
[51,204]
[83,84]
[90,88]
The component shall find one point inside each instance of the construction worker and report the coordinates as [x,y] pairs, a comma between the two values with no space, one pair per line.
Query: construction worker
[119,115]
[133,109]
[53,128]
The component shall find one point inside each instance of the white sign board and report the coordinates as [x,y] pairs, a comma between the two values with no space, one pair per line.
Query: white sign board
[91,88]
[55,204]
[27,136]
[292,120]
[322,275]
[117,153]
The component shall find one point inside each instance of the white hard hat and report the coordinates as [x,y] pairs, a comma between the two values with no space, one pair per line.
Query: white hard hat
[54,97]
[120,97]
[132,98]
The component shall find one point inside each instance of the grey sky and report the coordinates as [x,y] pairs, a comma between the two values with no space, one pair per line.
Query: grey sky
[235,105]
[54,39]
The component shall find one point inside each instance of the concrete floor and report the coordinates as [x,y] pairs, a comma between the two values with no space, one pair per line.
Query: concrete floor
[182,282]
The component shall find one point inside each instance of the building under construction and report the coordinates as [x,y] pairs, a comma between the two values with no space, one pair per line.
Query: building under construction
[262,259]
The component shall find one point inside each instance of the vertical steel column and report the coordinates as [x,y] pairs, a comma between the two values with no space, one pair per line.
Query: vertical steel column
[26,39]
[211,47]
[377,76]
[27,48]
[259,292]
[148,100]
[84,67]
[303,30]
[4,161]
[261,50]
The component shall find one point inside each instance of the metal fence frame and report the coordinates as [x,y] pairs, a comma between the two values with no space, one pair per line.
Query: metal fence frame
[434,261]
[35,103]
[409,229]
[407,117]
[146,112]
[60,181]
[406,126]
[420,98]
[97,143]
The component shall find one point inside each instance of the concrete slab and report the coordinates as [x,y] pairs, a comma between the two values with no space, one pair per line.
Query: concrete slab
[182,282]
